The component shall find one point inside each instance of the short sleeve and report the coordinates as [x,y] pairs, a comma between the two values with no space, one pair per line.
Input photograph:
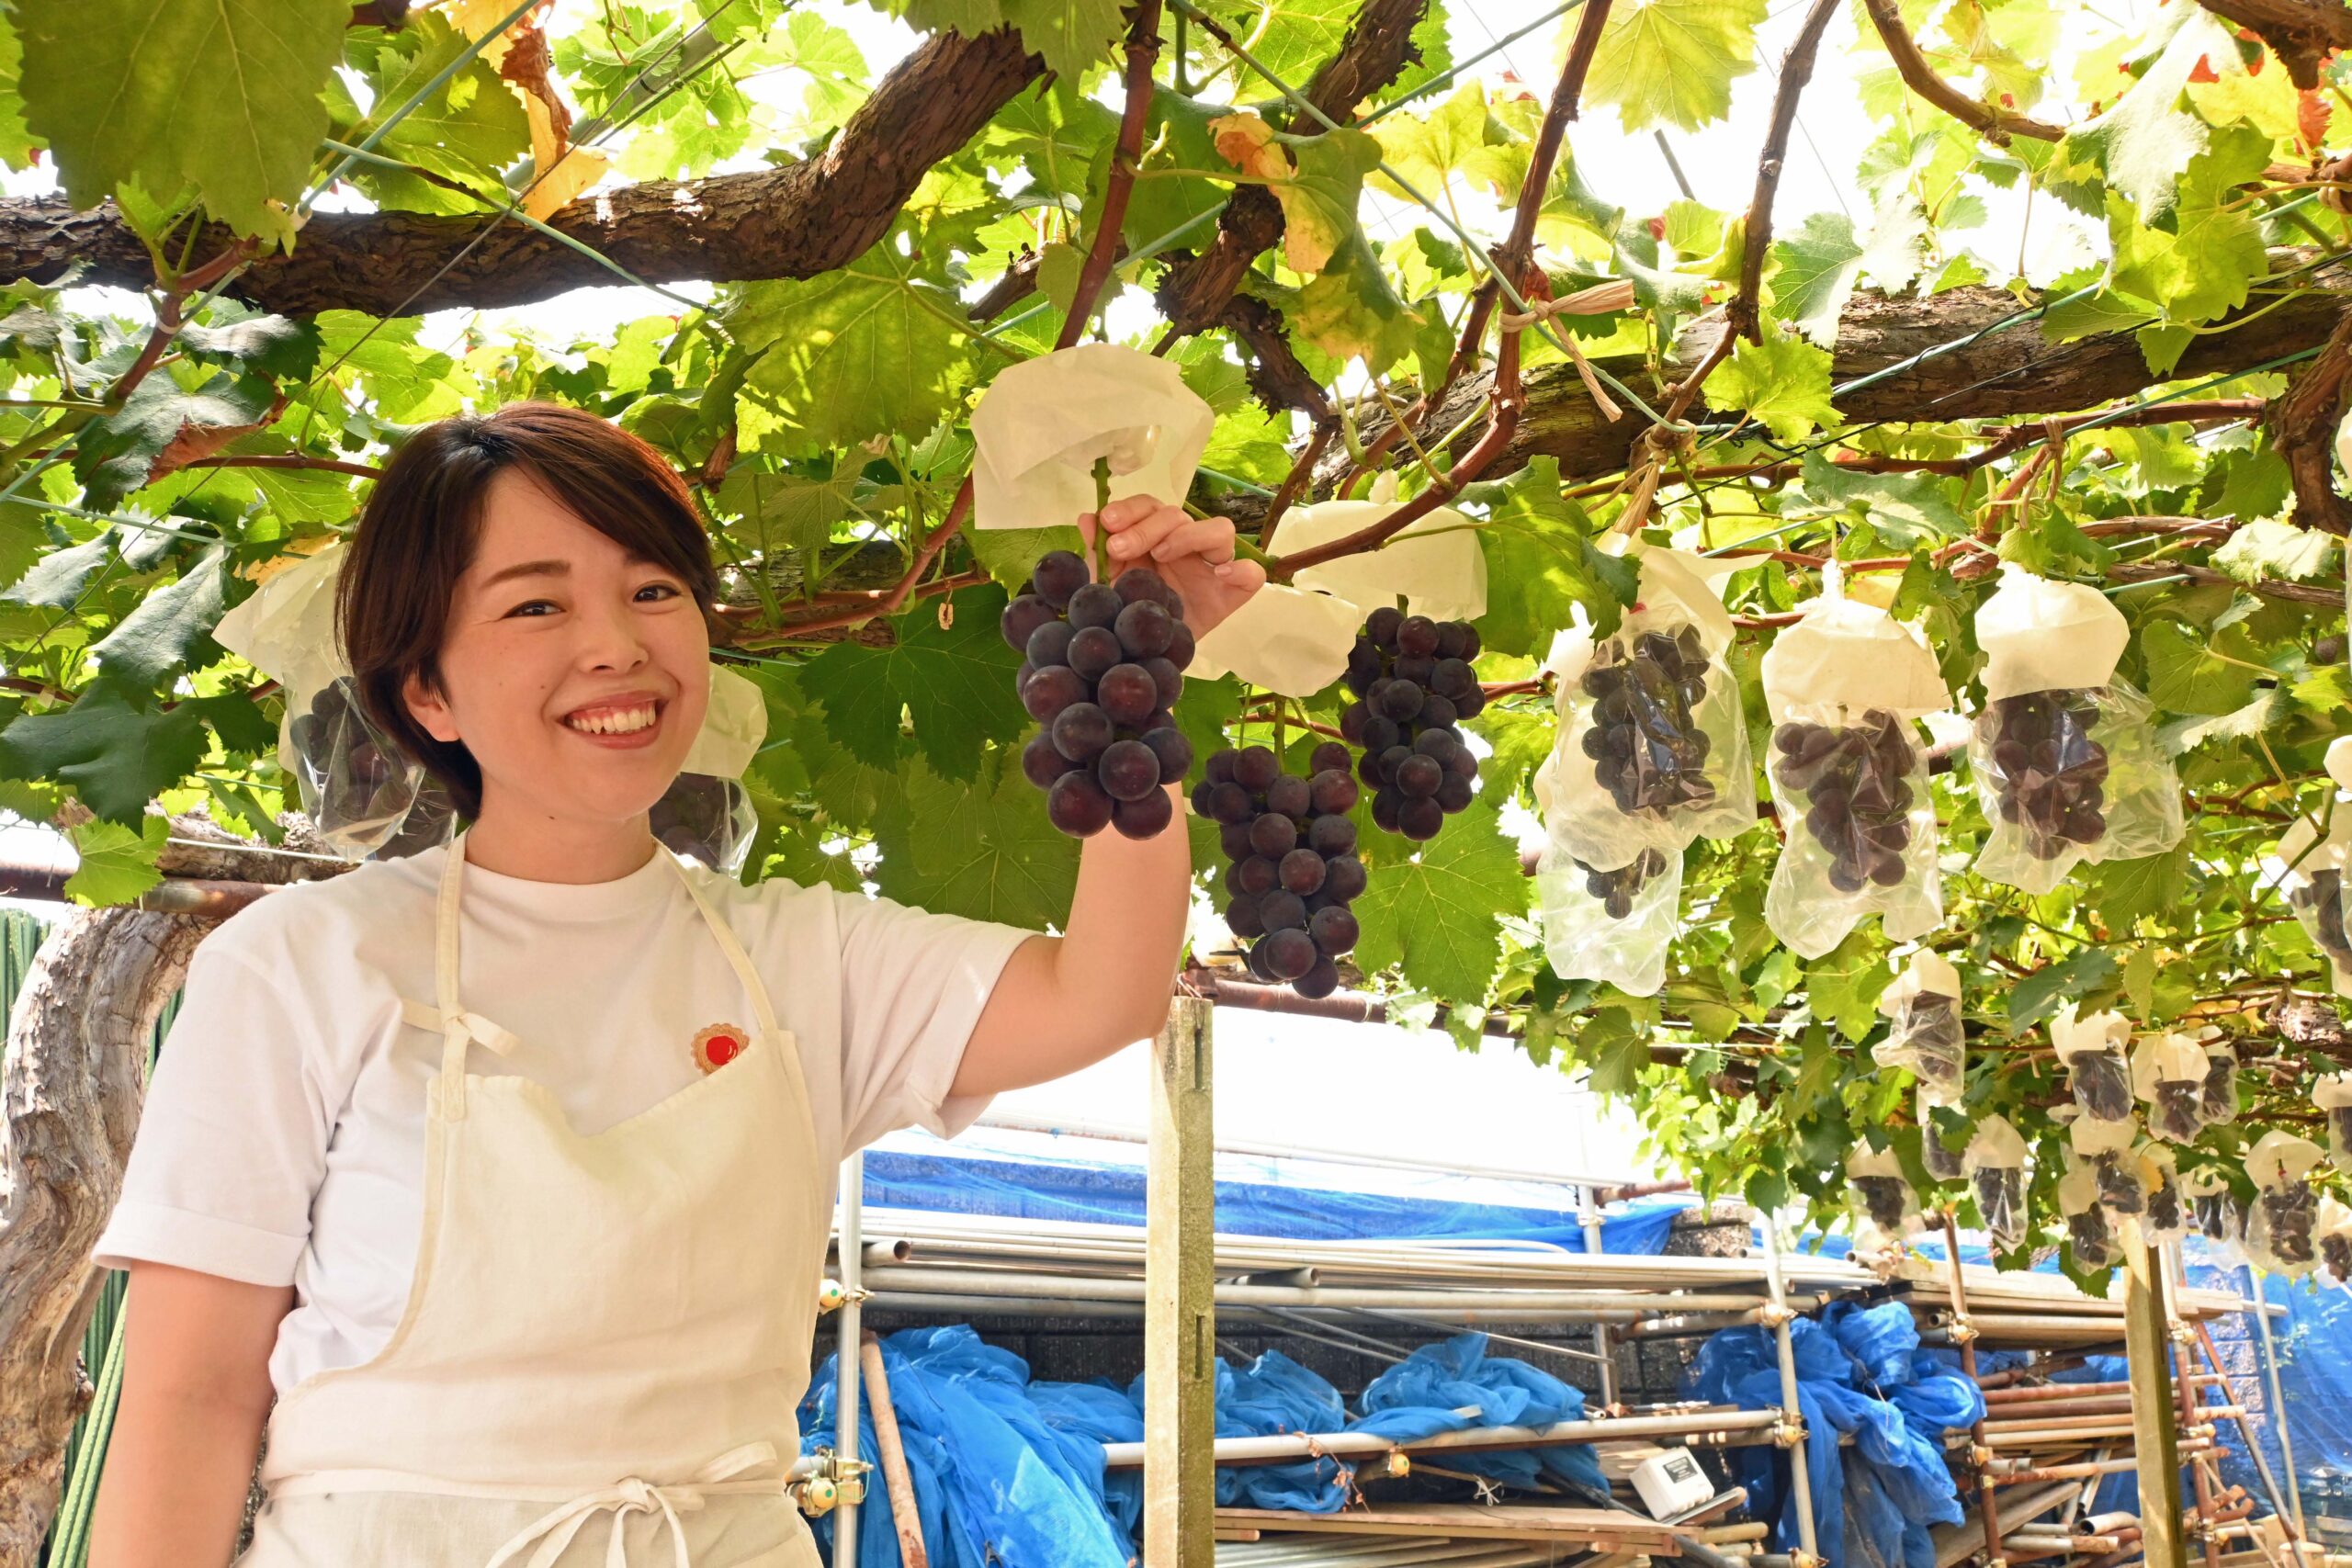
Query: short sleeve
[232,1140]
[913,983]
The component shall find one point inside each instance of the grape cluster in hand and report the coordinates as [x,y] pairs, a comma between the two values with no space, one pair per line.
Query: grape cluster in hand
[1294,870]
[1615,889]
[1413,682]
[1102,667]
[2051,774]
[1646,751]
[1856,782]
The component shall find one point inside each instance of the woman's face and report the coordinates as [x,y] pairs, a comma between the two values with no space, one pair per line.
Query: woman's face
[557,646]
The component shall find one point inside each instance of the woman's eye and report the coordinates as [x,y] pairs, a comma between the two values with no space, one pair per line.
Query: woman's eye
[530,603]
[666,588]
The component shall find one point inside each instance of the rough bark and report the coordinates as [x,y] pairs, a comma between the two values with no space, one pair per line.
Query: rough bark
[790,222]
[77,1051]
[2302,33]
[2010,374]
[1378,45]
[2302,426]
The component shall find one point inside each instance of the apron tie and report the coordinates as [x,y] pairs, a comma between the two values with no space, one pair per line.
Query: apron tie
[498,1037]
[556,1530]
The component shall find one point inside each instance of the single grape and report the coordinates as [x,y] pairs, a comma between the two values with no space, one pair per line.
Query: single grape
[1344,879]
[1331,835]
[1093,651]
[1273,835]
[1418,776]
[1242,918]
[1049,691]
[1290,954]
[1330,756]
[1126,691]
[1083,732]
[1219,769]
[1399,700]
[1049,644]
[1319,981]
[1420,820]
[1255,768]
[1146,630]
[1258,875]
[1454,794]
[1333,929]
[1144,816]
[1332,790]
[1450,636]
[1041,764]
[1231,802]
[1059,574]
[1385,803]
[1382,623]
[1301,872]
[1140,584]
[1077,806]
[1021,618]
[1283,911]
[1175,752]
[1128,770]
[1180,650]
[1288,795]
[1096,604]
[1233,837]
[1166,679]
[1417,637]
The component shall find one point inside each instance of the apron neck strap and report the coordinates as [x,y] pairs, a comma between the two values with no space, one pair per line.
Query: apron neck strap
[456,1032]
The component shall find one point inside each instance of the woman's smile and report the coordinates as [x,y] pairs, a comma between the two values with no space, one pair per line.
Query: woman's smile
[619,724]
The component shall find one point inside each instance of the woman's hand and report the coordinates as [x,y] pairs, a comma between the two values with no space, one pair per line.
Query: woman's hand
[1194,554]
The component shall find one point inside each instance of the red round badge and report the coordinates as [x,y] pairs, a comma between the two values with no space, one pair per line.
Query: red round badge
[717,1046]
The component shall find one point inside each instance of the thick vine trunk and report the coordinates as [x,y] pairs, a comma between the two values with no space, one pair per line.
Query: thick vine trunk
[795,221]
[77,1048]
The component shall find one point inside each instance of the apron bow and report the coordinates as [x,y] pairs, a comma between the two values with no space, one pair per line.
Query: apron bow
[498,1037]
[556,1530]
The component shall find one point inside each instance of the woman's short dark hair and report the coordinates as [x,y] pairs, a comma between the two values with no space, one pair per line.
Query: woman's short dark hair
[423,526]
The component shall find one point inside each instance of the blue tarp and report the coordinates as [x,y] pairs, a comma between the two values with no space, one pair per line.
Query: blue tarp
[1039,1189]
[1010,1472]
[1860,1373]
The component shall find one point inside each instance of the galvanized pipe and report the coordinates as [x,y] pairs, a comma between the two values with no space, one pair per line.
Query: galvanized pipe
[1800,1480]
[1497,1304]
[846,1446]
[1279,1447]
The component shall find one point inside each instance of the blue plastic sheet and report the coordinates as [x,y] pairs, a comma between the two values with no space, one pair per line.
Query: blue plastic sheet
[1860,1373]
[1114,1194]
[1426,1394]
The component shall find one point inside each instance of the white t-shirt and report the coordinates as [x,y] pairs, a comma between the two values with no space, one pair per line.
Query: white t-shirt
[283,1137]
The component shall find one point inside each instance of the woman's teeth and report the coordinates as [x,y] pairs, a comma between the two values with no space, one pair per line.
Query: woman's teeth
[614,721]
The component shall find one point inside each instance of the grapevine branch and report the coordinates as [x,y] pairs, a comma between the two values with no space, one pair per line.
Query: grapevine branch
[1143,53]
[2303,423]
[1996,125]
[2302,33]
[1796,68]
[1507,398]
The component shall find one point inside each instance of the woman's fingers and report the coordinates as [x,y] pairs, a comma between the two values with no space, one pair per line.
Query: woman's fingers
[1130,510]
[1142,535]
[1211,539]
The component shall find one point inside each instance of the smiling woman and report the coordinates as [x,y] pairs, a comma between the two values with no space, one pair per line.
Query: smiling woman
[484,535]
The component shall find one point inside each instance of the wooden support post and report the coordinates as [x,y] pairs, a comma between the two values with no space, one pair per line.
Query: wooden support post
[1179,1303]
[2153,1432]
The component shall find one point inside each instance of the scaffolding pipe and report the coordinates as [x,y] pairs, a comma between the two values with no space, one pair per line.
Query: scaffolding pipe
[1987,1506]
[2245,1430]
[2278,1401]
[846,1449]
[1496,1305]
[1800,1480]
[1275,1448]
[1594,1246]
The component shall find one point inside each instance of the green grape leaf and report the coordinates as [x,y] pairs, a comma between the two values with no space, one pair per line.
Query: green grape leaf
[1054,135]
[2042,993]
[117,758]
[2127,891]
[2267,549]
[1429,150]
[1540,559]
[1349,310]
[956,684]
[1672,61]
[1071,34]
[1434,915]
[983,850]
[237,721]
[171,626]
[2145,140]
[1903,507]
[787,511]
[116,864]
[1784,382]
[56,581]
[119,451]
[1812,273]
[851,354]
[1176,136]
[222,95]
[2187,675]
[265,345]
[465,130]
[17,142]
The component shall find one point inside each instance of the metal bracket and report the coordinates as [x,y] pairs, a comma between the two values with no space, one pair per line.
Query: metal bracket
[1962,1331]
[832,1295]
[1789,1431]
[1776,1314]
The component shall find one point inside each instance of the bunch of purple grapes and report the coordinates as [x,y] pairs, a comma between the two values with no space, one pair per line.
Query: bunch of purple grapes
[1101,672]
[1294,870]
[1413,682]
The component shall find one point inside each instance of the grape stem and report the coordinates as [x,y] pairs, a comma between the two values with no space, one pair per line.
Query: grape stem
[1102,500]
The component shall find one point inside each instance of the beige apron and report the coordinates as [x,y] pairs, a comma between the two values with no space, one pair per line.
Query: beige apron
[616,1324]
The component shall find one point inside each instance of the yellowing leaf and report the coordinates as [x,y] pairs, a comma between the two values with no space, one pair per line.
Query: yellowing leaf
[1248,143]
[1316,178]
[1673,60]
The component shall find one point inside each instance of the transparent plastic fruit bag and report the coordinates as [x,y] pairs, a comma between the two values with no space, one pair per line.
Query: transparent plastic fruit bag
[2335,1239]
[2282,1233]
[2167,1217]
[2215,1212]
[2105,1150]
[2092,1051]
[1879,1195]
[1849,775]
[1924,1029]
[2309,869]
[2169,1071]
[1652,748]
[2332,1092]
[2063,753]
[1995,1166]
[2090,1233]
[1614,925]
